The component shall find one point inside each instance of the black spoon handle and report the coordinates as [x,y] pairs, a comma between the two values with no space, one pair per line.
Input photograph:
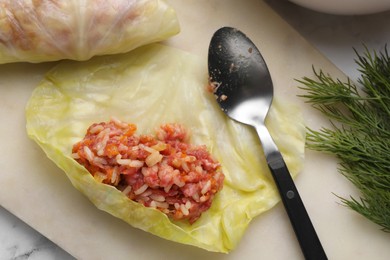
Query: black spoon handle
[300,220]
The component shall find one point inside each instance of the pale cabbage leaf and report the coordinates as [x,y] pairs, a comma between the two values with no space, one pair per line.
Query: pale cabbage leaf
[152,85]
[48,30]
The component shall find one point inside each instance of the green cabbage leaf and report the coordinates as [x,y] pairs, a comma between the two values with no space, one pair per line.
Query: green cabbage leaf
[149,86]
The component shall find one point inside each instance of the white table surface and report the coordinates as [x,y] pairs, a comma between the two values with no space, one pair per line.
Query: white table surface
[334,36]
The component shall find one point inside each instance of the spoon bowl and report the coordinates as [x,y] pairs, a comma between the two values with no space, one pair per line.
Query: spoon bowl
[243,88]
[236,65]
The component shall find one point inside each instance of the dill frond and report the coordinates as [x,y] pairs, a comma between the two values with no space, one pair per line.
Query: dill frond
[360,133]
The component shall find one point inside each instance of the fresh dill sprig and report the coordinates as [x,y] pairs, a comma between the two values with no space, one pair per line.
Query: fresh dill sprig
[360,132]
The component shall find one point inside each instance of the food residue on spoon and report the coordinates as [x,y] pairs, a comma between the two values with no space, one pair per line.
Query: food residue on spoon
[223,97]
[213,86]
[162,171]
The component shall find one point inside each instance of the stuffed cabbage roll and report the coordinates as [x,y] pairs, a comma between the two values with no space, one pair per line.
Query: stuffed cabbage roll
[48,30]
[149,87]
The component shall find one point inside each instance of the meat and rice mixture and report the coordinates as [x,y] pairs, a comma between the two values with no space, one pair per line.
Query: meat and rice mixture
[162,171]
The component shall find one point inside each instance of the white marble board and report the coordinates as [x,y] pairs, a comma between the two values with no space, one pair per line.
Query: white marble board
[37,192]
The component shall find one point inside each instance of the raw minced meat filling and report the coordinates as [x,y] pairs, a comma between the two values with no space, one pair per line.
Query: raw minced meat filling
[162,171]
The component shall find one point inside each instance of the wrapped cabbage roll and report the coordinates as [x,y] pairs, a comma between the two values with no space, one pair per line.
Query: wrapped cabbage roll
[49,30]
[151,86]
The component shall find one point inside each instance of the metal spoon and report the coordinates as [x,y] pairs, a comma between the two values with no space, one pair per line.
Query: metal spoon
[244,91]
